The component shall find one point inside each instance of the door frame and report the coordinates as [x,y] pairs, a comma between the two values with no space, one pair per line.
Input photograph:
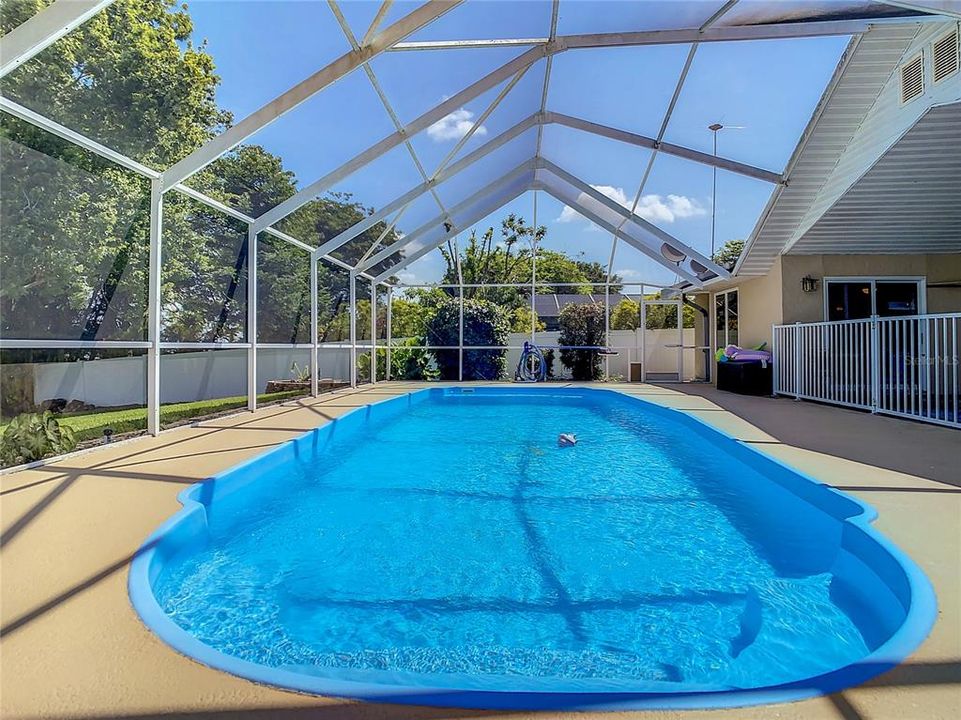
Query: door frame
[920,280]
[679,305]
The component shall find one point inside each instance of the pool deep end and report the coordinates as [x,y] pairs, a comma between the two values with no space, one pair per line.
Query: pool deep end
[817,531]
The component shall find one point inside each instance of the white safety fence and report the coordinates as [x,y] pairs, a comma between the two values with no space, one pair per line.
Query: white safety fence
[904,366]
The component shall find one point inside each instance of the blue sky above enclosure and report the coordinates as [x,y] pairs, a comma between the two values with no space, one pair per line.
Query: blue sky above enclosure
[764,91]
[627,88]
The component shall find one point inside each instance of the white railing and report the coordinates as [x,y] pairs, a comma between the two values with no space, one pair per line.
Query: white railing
[904,366]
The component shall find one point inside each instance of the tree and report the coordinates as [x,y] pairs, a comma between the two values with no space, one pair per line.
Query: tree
[728,254]
[521,318]
[485,325]
[484,262]
[626,315]
[408,318]
[582,325]
[660,316]
[130,77]
[75,226]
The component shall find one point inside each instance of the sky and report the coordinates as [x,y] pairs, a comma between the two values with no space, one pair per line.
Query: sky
[764,92]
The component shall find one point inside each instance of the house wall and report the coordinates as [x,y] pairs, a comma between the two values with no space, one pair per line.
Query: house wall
[777,298]
[759,307]
[799,306]
[884,124]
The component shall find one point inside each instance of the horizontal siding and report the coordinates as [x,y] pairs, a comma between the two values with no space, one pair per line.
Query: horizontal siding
[868,68]
[910,201]
[884,124]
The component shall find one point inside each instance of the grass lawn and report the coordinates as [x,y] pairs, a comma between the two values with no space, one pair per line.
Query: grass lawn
[89,426]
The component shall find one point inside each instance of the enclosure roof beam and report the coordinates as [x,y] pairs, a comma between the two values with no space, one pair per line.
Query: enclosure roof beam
[523,168]
[541,119]
[926,7]
[467,44]
[229,139]
[614,230]
[514,190]
[630,216]
[685,36]
[665,121]
[560,44]
[55,128]
[43,29]
[664,147]
[375,23]
[123,161]
[415,192]
[397,138]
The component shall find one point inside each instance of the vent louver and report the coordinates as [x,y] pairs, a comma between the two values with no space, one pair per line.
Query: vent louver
[944,56]
[912,78]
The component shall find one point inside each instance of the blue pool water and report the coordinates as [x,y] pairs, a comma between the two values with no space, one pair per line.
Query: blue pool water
[442,548]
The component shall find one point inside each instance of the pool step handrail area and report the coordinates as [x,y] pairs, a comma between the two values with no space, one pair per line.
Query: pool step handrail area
[906,366]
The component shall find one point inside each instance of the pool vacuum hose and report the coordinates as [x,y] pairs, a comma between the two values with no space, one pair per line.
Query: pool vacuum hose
[531,367]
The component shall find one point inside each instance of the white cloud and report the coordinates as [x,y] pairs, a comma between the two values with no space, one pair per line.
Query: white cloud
[653,208]
[454,126]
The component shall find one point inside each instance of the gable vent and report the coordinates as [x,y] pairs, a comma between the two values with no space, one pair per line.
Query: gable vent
[944,56]
[912,78]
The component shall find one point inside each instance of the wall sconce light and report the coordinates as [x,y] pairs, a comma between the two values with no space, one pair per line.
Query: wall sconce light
[809,284]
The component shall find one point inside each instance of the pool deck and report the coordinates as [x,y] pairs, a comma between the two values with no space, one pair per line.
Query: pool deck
[71,646]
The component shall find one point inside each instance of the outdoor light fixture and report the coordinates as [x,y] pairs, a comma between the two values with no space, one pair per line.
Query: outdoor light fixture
[809,284]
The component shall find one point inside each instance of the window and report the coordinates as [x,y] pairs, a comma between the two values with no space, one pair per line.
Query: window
[859,298]
[725,318]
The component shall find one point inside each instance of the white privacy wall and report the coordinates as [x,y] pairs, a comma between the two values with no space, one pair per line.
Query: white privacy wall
[185,376]
[660,358]
[189,376]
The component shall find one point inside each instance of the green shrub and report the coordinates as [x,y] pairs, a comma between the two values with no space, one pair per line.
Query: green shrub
[33,436]
[485,324]
[582,325]
[407,362]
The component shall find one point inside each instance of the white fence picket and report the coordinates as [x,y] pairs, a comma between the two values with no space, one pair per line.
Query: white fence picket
[903,366]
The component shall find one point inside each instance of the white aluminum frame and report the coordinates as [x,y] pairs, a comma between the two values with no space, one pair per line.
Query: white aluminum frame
[920,280]
[713,316]
[58,19]
[43,29]
[906,366]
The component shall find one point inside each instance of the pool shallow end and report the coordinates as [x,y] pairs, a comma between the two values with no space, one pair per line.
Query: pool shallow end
[867,564]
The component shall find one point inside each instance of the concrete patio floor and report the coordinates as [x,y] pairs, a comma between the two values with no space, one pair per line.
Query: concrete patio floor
[71,646]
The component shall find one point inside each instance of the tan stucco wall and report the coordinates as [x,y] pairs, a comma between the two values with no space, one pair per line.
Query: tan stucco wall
[759,307]
[777,297]
[809,307]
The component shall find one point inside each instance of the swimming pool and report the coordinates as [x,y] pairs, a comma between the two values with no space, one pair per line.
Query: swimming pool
[440,548]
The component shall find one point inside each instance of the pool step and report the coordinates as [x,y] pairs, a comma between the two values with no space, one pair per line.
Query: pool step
[750,623]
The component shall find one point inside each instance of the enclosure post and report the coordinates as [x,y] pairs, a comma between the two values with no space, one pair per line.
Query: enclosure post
[352,316]
[390,303]
[153,307]
[314,362]
[680,338]
[251,317]
[460,332]
[534,276]
[373,333]
[643,357]
[607,329]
